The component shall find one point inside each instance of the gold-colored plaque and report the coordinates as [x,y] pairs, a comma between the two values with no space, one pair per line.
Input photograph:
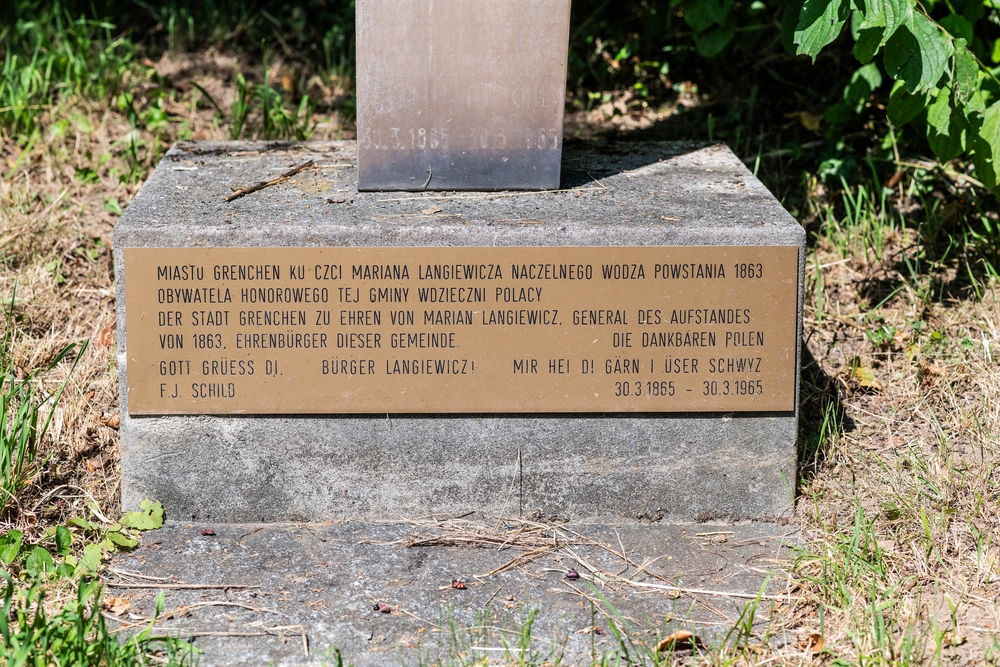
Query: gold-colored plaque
[460,330]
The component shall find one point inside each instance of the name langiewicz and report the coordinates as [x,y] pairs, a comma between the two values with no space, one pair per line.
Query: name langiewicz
[539,271]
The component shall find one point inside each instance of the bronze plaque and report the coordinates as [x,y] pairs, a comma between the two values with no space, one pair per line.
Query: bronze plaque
[460,94]
[460,330]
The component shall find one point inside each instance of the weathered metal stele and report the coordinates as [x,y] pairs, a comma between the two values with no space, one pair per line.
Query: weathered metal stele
[461,94]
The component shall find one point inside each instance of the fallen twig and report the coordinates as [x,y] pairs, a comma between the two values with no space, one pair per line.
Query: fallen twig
[178,586]
[278,630]
[724,594]
[215,603]
[521,559]
[136,575]
[266,184]
[495,593]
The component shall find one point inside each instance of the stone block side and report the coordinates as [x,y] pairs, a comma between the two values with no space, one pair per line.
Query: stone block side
[592,468]
[584,468]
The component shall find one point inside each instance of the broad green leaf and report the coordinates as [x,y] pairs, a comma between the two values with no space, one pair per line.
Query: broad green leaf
[717,9]
[39,562]
[868,43]
[63,540]
[966,72]
[820,22]
[975,105]
[947,128]
[839,113]
[939,110]
[949,146]
[897,14]
[10,546]
[122,540]
[904,107]
[986,146]
[64,570]
[91,560]
[972,10]
[917,55]
[869,30]
[81,523]
[789,22]
[711,42]
[864,82]
[957,27]
[857,18]
[699,15]
[149,517]
[868,13]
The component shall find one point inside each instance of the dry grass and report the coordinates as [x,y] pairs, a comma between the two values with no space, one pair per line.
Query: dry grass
[899,502]
[898,497]
[56,224]
[59,197]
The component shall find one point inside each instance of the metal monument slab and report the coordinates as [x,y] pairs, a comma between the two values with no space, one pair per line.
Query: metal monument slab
[461,329]
[460,94]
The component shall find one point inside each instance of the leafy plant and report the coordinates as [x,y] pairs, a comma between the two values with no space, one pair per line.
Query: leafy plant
[150,516]
[941,86]
[260,109]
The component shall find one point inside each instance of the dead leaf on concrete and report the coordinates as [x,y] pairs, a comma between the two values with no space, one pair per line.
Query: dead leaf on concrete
[679,641]
[432,210]
[117,606]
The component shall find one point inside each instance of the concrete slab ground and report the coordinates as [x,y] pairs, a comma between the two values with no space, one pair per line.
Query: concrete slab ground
[382,594]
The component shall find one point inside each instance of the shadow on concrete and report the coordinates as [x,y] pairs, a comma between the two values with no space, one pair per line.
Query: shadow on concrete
[585,161]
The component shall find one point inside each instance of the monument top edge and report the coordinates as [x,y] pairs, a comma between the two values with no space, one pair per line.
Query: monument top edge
[606,186]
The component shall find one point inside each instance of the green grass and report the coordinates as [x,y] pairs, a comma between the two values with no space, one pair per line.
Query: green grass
[54,56]
[64,564]
[77,634]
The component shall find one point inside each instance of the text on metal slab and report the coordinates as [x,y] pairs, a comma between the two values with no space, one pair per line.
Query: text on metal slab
[460,330]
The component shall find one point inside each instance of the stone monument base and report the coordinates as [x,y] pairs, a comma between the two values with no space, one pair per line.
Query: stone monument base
[582,467]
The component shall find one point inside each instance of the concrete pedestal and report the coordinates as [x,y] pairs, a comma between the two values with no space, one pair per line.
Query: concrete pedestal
[584,467]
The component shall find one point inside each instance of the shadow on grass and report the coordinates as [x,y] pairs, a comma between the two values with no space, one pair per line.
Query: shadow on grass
[822,416]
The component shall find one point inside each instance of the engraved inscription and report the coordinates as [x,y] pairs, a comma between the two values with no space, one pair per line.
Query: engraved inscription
[452,330]
[464,94]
